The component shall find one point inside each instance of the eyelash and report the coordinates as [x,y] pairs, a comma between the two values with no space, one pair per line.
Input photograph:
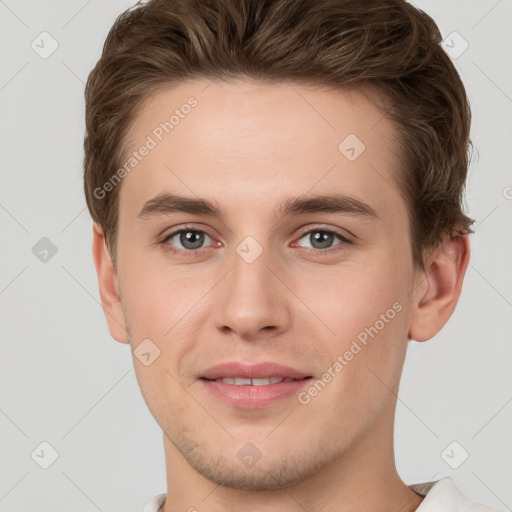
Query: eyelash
[317,252]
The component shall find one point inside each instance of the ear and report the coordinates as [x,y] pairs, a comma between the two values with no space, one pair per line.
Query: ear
[438,287]
[108,285]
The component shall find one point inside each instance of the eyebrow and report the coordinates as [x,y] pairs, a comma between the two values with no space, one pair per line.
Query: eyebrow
[166,203]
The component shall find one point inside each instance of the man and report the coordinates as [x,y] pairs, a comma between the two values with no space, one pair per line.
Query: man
[276,188]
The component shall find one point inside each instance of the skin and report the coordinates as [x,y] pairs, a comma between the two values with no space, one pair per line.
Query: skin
[248,146]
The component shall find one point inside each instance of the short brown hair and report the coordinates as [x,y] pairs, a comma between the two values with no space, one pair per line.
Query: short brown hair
[386,44]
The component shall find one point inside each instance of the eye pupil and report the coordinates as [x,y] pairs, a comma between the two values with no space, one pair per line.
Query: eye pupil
[323,238]
[193,237]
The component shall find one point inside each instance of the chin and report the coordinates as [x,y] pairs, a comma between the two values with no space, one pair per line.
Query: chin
[259,473]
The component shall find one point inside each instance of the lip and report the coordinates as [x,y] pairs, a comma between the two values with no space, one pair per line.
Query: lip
[253,397]
[254,371]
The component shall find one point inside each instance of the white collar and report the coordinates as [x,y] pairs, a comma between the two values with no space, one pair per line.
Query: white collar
[440,496]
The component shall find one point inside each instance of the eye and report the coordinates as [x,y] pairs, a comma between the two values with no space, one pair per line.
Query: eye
[186,240]
[320,239]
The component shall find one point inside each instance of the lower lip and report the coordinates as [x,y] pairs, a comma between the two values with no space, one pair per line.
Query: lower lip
[254,397]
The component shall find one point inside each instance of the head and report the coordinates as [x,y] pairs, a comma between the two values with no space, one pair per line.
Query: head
[255,112]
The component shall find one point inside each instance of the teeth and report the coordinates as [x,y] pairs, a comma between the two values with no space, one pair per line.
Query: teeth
[261,382]
[240,381]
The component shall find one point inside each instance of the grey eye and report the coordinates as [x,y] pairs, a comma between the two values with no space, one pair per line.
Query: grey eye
[190,239]
[321,238]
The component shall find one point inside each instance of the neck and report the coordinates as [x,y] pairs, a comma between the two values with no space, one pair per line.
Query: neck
[362,478]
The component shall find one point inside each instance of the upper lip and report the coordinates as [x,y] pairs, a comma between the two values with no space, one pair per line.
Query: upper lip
[253,371]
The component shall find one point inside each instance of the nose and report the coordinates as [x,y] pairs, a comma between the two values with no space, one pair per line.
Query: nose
[252,301]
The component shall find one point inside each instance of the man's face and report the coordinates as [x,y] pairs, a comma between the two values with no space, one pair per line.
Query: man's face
[304,289]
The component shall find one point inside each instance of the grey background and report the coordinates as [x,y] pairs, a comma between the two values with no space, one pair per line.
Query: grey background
[65,381]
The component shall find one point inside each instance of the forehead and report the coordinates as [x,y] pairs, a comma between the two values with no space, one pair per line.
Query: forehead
[241,141]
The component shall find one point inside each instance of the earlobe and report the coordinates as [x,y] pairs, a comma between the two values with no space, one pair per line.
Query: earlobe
[108,286]
[438,293]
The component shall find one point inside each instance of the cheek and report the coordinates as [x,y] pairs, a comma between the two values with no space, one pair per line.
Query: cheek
[162,306]
[149,297]
[365,310]
[158,388]
[349,298]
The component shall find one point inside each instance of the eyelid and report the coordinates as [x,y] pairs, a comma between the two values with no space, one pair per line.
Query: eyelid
[345,235]
[186,227]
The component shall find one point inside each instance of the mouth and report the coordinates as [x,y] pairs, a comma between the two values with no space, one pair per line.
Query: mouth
[265,381]
[240,373]
[256,386]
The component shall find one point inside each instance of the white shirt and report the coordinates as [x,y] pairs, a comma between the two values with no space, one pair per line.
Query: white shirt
[440,496]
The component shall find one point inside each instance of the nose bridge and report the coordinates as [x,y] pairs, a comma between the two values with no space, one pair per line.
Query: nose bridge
[250,263]
[252,299]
